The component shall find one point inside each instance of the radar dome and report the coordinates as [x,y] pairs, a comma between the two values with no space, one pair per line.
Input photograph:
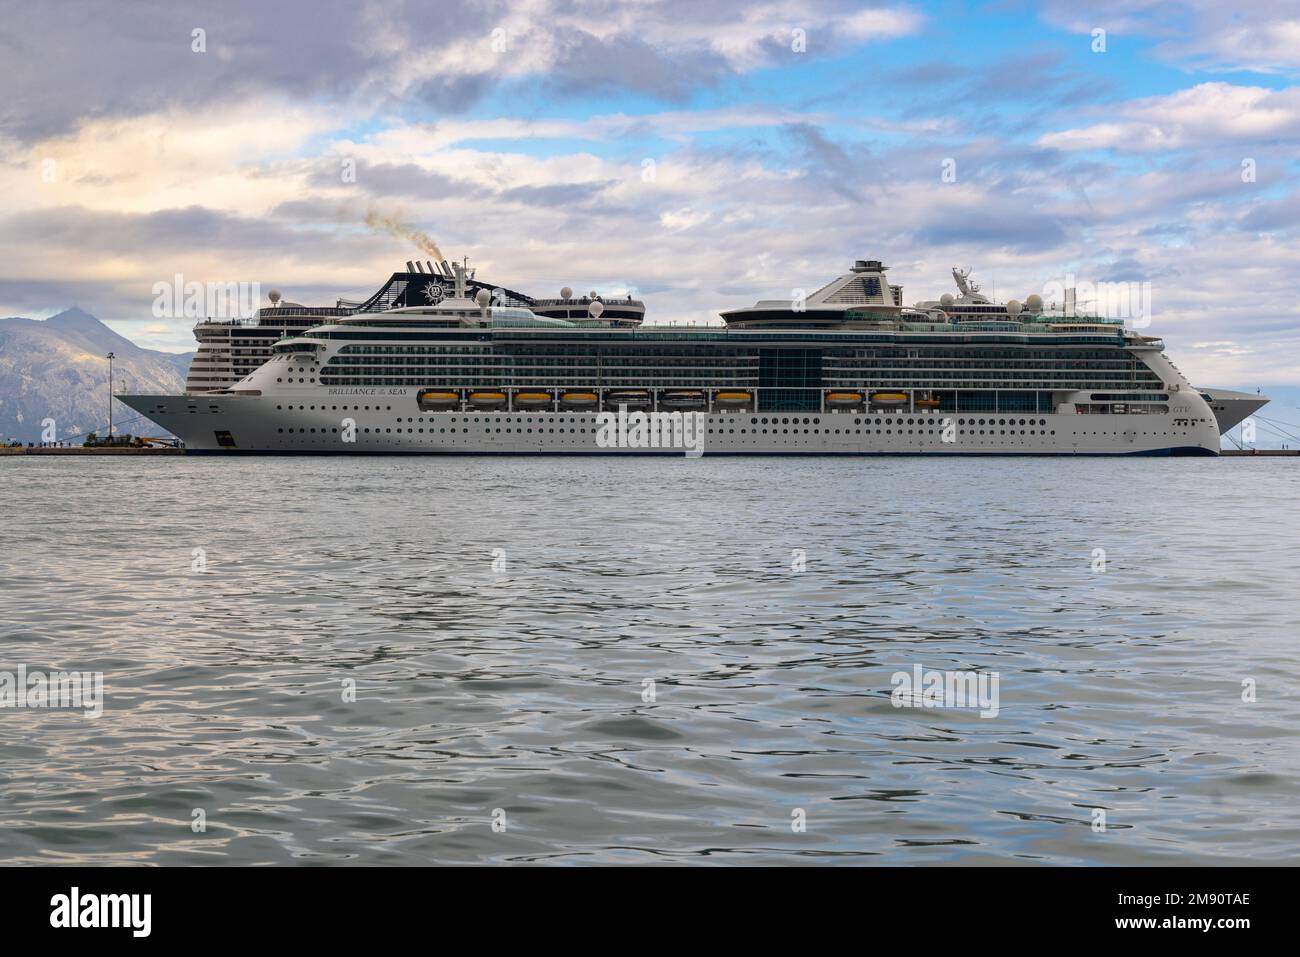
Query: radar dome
[596,308]
[566,293]
[593,294]
[1013,308]
[1034,303]
[274,296]
[483,297]
[946,300]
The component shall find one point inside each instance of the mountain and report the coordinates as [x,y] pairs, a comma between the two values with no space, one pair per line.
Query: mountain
[55,369]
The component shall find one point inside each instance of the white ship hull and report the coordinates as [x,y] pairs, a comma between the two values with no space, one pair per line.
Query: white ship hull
[392,423]
[1231,408]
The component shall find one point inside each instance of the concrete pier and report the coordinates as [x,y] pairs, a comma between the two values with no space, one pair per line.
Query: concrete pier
[83,450]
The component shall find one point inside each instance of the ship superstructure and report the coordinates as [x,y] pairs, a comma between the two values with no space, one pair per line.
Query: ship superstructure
[230,349]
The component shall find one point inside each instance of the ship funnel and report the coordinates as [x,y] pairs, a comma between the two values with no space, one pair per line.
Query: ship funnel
[410,266]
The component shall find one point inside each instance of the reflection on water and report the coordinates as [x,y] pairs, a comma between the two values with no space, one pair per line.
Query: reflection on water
[643,676]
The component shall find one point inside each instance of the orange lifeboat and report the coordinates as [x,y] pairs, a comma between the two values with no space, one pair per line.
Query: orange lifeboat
[843,400]
[889,398]
[487,400]
[434,401]
[733,400]
[532,400]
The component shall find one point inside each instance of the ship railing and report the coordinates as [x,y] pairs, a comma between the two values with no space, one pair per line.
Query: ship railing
[269,316]
[587,300]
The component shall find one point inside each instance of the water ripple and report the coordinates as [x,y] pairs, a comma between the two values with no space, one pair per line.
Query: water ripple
[648,678]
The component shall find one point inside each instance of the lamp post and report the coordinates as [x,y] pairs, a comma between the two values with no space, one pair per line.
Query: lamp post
[110,397]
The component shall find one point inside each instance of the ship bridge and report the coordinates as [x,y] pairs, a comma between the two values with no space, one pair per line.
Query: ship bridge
[864,285]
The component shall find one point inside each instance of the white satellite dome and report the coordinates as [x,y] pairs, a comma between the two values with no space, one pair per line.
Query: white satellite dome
[1013,308]
[482,297]
[274,296]
[1034,303]
[566,293]
[946,300]
[596,308]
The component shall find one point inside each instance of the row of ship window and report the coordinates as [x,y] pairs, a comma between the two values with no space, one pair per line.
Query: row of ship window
[508,430]
[796,421]
[337,408]
[530,431]
[1101,377]
[833,342]
[756,420]
[719,382]
[1120,376]
[966,363]
[830,355]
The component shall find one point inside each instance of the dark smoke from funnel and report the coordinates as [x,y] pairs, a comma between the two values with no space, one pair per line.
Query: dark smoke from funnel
[394,227]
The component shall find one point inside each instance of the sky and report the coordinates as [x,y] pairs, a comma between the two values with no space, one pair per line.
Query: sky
[699,155]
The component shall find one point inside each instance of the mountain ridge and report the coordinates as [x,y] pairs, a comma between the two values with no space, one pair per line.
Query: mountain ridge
[55,369]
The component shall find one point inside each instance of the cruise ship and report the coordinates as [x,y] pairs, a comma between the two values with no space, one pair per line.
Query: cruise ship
[848,370]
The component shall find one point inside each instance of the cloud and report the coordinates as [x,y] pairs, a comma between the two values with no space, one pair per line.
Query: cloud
[1204,114]
[240,157]
[1024,231]
[1275,215]
[557,194]
[1263,37]
[407,180]
[386,56]
[82,61]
